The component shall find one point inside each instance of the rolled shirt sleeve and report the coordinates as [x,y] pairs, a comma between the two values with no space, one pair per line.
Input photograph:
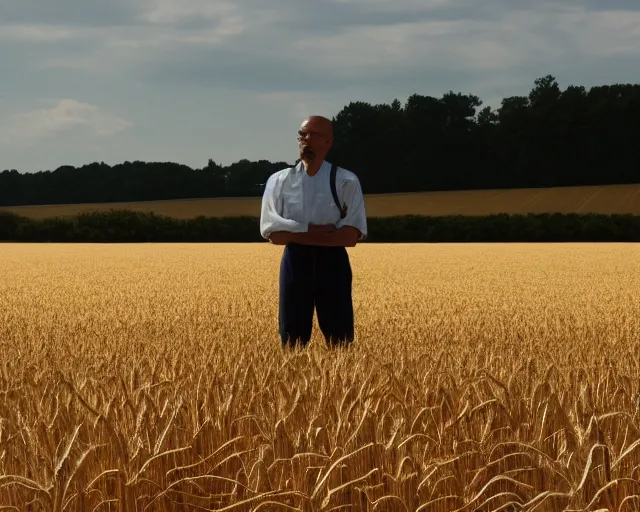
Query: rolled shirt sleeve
[356,214]
[270,218]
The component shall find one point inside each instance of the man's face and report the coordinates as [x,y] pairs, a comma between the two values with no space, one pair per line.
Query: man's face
[314,138]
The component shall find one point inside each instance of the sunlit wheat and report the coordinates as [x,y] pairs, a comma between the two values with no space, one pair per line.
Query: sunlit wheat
[484,377]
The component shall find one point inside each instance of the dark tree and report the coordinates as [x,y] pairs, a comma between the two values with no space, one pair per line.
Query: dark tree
[548,138]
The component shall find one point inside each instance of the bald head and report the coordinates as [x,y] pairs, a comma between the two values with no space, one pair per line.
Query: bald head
[318,123]
[315,138]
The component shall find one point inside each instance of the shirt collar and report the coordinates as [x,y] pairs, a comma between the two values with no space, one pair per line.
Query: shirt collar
[300,166]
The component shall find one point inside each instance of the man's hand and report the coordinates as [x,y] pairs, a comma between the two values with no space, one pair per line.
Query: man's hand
[321,228]
[280,237]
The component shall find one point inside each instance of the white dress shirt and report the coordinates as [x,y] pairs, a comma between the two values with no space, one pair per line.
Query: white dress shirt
[292,200]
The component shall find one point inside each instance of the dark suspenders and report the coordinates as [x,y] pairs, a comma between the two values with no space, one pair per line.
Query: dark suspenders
[343,209]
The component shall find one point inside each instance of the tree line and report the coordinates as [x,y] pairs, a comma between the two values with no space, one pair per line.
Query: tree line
[549,138]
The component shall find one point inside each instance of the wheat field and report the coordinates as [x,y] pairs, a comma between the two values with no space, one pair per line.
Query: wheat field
[483,377]
[606,199]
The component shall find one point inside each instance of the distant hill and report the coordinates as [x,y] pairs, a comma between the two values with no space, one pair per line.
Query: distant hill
[607,199]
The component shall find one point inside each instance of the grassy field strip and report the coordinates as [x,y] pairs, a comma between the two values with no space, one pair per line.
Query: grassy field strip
[608,199]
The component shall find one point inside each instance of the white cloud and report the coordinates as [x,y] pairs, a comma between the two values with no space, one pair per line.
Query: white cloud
[171,11]
[40,33]
[386,6]
[514,39]
[67,115]
[173,38]
[602,33]
[298,105]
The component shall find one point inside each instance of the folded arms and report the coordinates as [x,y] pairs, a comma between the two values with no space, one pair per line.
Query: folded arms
[282,231]
[329,235]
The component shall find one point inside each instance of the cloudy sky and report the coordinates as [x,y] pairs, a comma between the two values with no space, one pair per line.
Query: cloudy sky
[189,80]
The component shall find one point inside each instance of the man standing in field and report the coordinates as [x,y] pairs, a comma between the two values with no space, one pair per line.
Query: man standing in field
[301,212]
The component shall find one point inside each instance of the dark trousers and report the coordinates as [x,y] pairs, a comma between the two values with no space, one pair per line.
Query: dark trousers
[320,277]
